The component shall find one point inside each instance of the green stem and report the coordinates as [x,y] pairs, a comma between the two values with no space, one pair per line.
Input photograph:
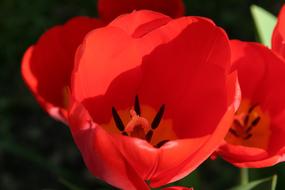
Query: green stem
[244,176]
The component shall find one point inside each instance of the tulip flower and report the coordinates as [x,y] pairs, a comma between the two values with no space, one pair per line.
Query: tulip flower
[256,138]
[110,9]
[151,98]
[47,65]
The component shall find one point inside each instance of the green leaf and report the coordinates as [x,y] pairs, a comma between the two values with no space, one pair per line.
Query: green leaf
[274,182]
[257,183]
[264,22]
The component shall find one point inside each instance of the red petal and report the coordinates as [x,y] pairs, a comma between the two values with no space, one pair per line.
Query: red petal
[100,152]
[109,50]
[189,78]
[54,111]
[204,147]
[136,25]
[248,157]
[47,66]
[278,36]
[110,9]
[234,92]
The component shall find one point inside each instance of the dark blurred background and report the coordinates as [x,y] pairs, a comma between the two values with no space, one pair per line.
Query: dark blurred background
[36,152]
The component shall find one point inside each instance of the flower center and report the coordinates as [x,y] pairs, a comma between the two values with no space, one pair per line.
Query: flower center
[139,126]
[250,127]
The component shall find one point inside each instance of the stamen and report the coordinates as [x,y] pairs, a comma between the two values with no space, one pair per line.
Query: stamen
[161,143]
[158,117]
[255,121]
[238,124]
[148,136]
[246,119]
[249,129]
[251,108]
[138,132]
[253,124]
[232,131]
[247,137]
[137,105]
[119,123]
[125,133]
[138,125]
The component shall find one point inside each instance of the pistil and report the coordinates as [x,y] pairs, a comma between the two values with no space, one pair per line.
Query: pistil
[137,126]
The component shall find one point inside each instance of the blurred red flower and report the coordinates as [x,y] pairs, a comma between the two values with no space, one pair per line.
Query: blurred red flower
[110,9]
[47,65]
[152,98]
[256,136]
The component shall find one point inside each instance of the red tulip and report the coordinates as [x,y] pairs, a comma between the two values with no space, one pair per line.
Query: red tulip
[110,9]
[256,138]
[278,36]
[151,98]
[47,65]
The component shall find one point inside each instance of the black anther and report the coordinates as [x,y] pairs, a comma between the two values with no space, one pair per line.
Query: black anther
[137,106]
[249,129]
[255,121]
[158,117]
[232,131]
[125,133]
[253,124]
[251,108]
[246,119]
[161,143]
[148,135]
[247,137]
[237,123]
[117,119]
